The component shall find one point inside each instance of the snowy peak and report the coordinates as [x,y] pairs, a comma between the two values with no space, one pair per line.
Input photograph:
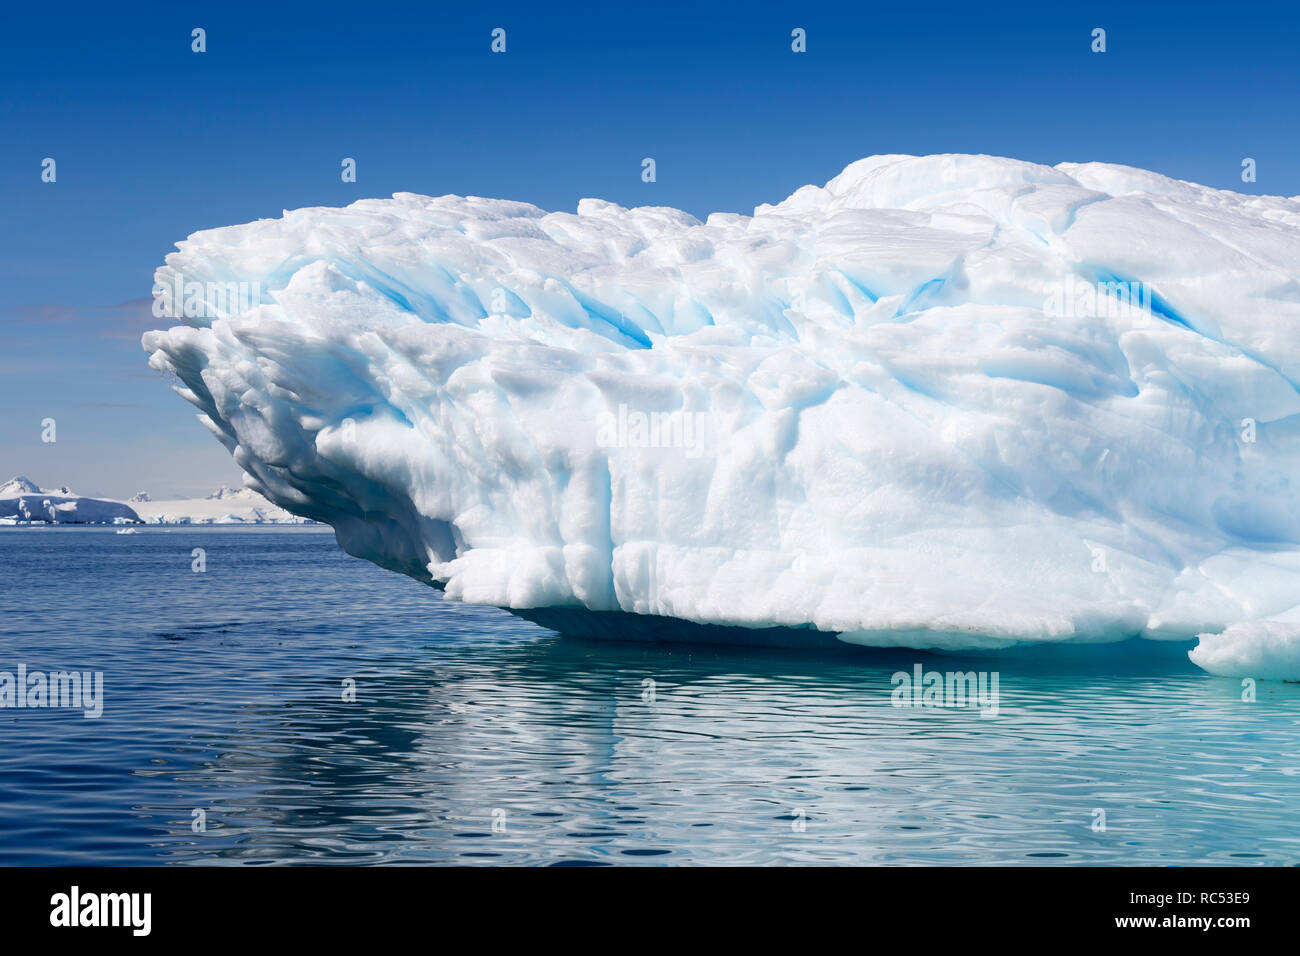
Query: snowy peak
[227,493]
[18,485]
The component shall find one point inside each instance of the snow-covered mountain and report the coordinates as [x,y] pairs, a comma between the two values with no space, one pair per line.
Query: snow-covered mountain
[21,500]
[224,506]
[19,486]
[944,401]
[227,493]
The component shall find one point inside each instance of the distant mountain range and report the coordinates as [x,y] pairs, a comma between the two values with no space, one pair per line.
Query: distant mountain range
[22,501]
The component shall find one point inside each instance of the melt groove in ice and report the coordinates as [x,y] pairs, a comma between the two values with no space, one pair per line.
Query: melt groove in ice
[943,401]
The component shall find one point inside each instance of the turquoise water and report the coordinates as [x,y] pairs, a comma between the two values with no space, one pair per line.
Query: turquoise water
[479,738]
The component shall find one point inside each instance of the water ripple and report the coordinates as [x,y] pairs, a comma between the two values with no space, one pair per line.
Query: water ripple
[478,738]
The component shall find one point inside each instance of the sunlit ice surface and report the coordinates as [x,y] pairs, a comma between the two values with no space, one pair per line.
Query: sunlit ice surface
[943,402]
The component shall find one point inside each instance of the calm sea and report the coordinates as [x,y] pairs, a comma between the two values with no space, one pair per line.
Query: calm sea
[291,704]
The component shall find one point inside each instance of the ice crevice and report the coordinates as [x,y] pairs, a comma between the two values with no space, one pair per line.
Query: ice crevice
[906,408]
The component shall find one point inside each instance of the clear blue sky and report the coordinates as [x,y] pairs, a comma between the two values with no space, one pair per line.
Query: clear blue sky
[154,142]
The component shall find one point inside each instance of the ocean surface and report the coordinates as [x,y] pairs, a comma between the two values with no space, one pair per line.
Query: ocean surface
[229,736]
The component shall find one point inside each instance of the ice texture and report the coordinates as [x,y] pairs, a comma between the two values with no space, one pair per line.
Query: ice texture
[945,401]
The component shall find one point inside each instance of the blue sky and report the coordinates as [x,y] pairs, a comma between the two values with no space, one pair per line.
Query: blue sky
[154,142]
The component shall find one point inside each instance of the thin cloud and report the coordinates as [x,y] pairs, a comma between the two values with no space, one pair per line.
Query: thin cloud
[125,320]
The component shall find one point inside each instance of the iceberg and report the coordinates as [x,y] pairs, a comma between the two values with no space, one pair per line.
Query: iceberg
[953,402]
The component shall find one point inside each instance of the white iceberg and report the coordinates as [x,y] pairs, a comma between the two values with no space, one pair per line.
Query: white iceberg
[946,401]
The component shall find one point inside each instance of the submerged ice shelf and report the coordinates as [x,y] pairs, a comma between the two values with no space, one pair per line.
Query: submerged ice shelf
[945,401]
